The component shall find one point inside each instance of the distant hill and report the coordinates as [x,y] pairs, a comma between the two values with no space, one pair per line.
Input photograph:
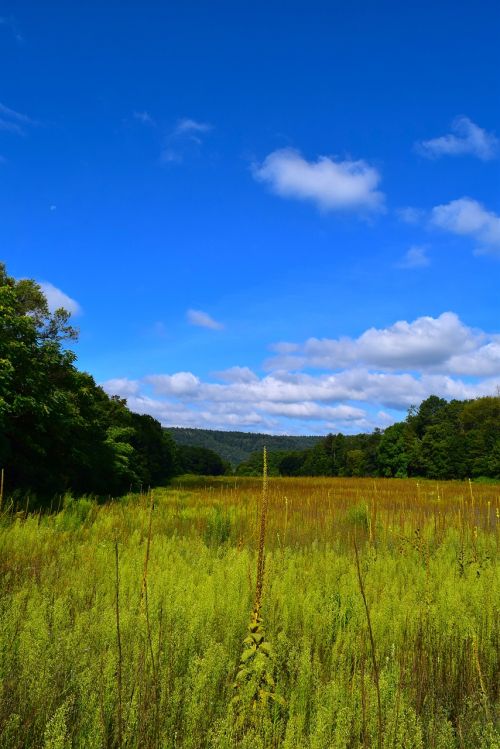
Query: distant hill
[237,446]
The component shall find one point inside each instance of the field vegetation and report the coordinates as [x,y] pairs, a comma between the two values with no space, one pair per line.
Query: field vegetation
[140,623]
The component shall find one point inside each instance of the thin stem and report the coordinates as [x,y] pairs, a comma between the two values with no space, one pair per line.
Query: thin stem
[119,646]
[262,536]
[372,647]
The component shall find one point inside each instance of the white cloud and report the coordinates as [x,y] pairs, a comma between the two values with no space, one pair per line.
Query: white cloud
[360,378]
[179,384]
[415,257]
[14,122]
[281,402]
[465,138]
[121,386]
[203,319]
[483,362]
[468,217]
[311,411]
[57,298]
[187,125]
[11,127]
[426,344]
[237,374]
[331,185]
[184,139]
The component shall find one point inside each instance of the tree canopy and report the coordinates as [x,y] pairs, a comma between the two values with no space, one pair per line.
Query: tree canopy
[60,431]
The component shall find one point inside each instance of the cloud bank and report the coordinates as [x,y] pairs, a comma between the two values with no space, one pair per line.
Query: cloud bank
[355,380]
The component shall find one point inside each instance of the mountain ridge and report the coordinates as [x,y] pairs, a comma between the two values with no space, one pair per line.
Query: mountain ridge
[236,446]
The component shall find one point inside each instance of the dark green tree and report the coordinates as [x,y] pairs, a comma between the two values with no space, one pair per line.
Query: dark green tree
[58,430]
[200,461]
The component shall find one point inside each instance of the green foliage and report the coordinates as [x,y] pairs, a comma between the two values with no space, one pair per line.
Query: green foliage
[393,453]
[218,528]
[358,516]
[56,731]
[254,466]
[59,431]
[199,461]
[236,447]
[254,686]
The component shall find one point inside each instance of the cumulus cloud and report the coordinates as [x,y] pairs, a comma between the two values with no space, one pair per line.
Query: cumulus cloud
[358,381]
[466,138]
[415,257]
[281,402]
[203,319]
[331,185]
[179,384]
[441,344]
[468,217]
[57,298]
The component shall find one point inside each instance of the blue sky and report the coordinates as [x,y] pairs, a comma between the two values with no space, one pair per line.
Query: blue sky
[280,217]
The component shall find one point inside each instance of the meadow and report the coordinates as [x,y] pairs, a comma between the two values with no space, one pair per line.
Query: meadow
[130,624]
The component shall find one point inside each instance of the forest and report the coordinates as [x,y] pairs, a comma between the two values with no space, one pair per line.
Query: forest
[236,447]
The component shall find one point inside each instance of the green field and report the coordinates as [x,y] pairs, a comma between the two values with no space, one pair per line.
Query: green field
[122,625]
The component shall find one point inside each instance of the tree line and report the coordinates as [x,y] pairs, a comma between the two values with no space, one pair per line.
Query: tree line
[439,440]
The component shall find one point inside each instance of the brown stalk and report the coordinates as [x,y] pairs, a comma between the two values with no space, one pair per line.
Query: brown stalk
[262,536]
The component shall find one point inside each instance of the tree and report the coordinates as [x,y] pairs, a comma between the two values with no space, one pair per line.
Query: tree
[201,461]
[480,420]
[428,414]
[58,430]
[393,458]
[355,463]
[36,376]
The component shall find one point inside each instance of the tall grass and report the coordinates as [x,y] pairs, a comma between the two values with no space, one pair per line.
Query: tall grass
[122,625]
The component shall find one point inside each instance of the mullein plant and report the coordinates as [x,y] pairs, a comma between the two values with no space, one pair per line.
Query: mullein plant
[254,686]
